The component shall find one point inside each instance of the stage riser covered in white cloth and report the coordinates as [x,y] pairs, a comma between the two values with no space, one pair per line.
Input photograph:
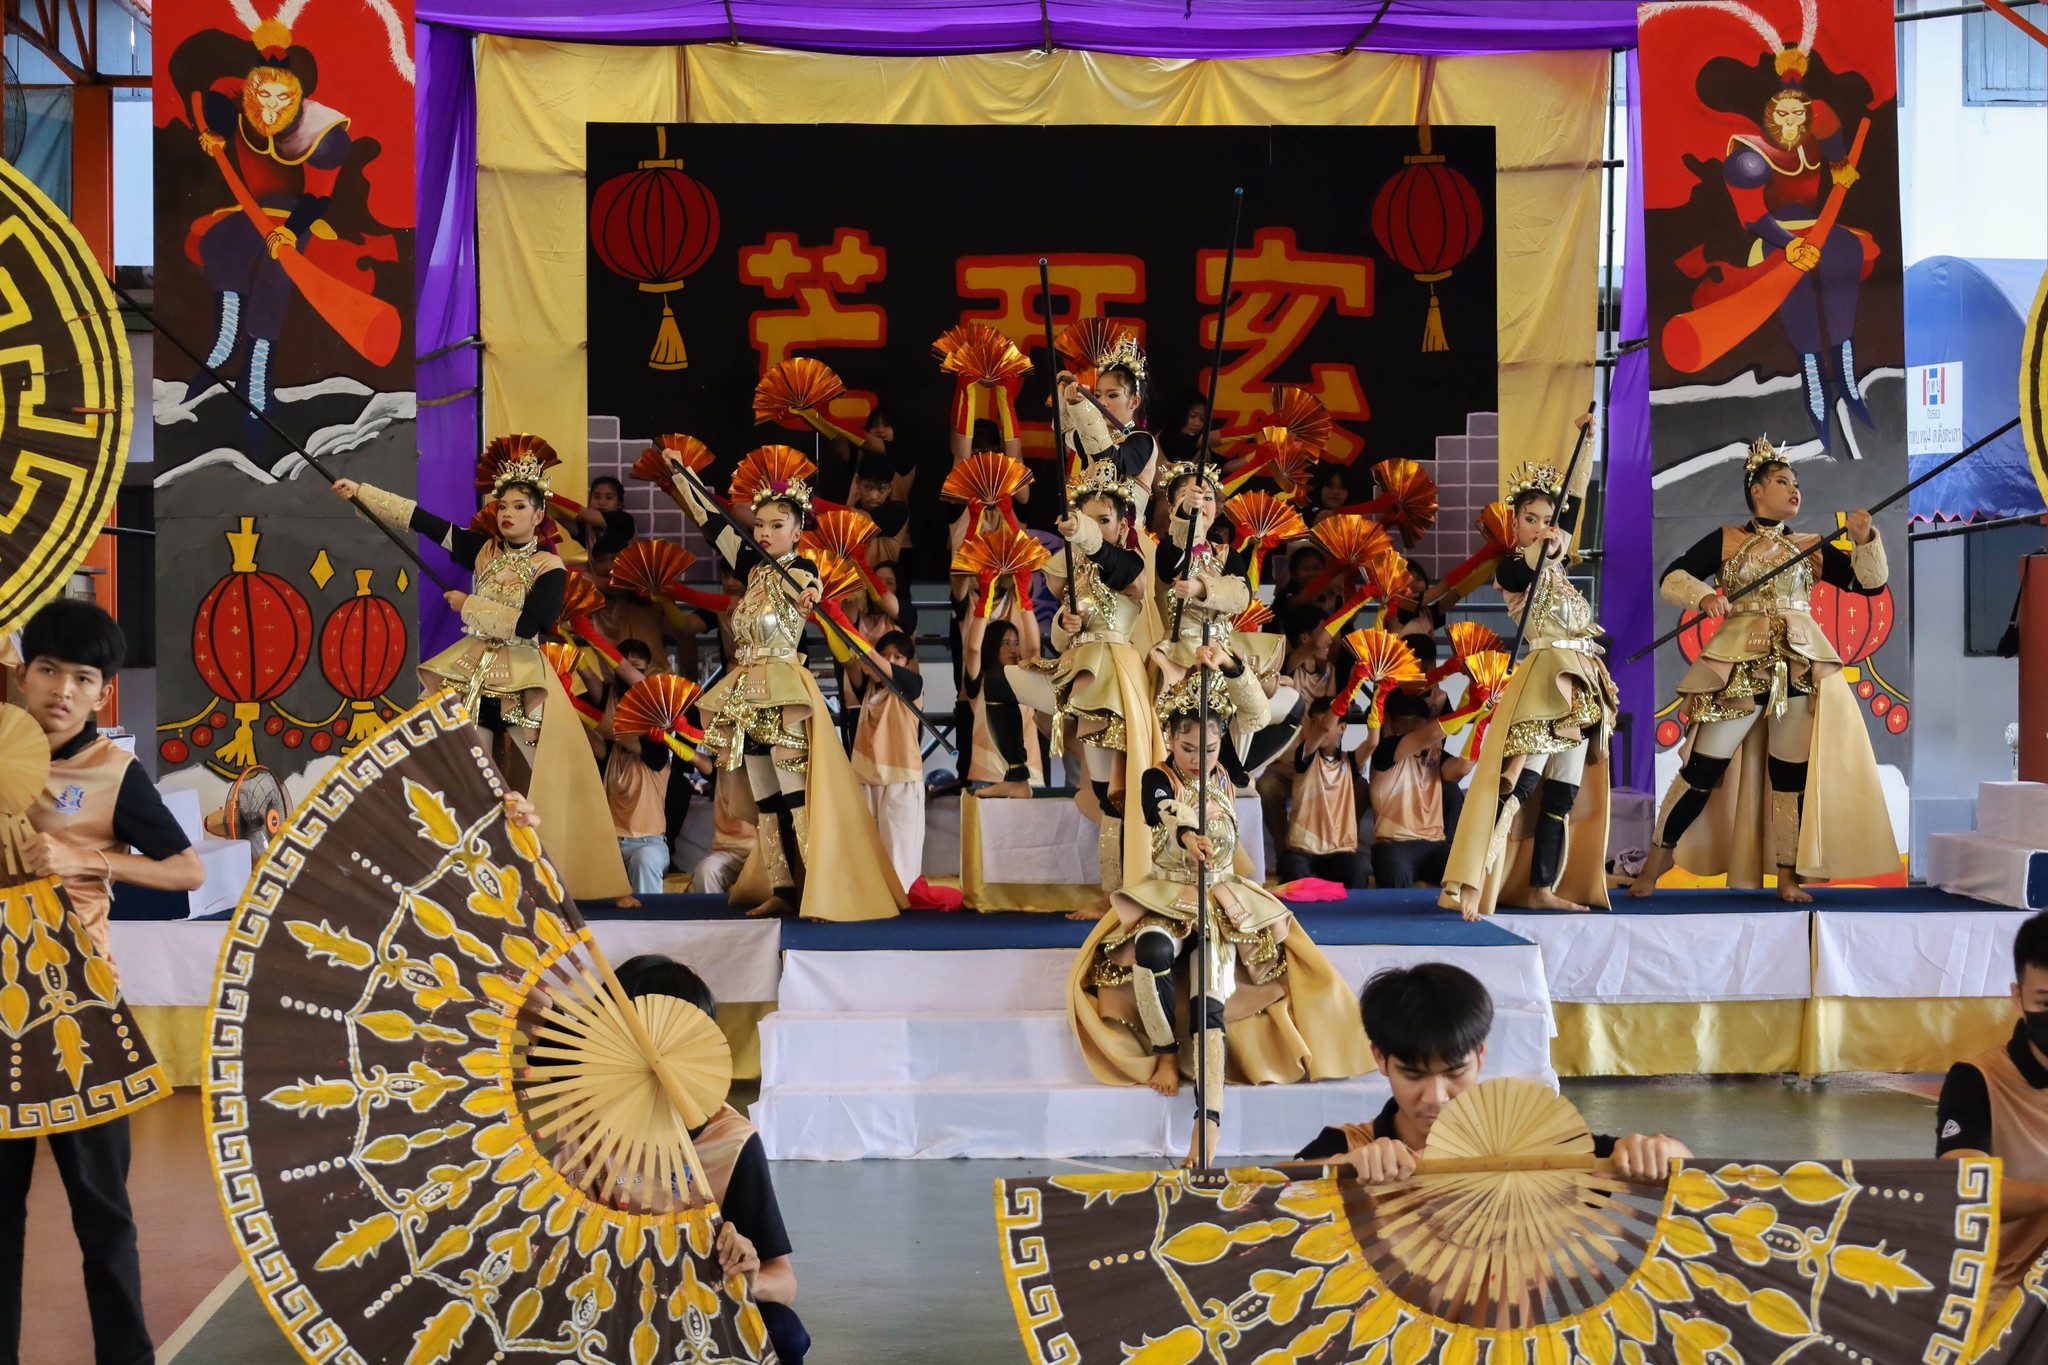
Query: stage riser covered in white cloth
[1047,841]
[1914,957]
[1642,959]
[2005,861]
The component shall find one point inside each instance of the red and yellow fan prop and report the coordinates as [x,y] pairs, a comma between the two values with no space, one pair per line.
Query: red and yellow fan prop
[1407,501]
[1290,440]
[844,532]
[987,367]
[795,393]
[1488,671]
[1383,661]
[508,450]
[987,480]
[1086,340]
[651,568]
[1252,619]
[770,468]
[996,555]
[1511,1245]
[655,461]
[659,707]
[1467,639]
[1385,575]
[1354,544]
[1263,523]
[438,1123]
[1495,522]
[582,599]
[566,660]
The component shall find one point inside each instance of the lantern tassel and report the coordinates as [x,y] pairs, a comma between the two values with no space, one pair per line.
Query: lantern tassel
[364,723]
[1433,338]
[240,750]
[668,343]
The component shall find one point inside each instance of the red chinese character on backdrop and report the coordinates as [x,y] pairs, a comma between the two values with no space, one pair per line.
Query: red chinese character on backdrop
[814,278]
[1084,284]
[1282,292]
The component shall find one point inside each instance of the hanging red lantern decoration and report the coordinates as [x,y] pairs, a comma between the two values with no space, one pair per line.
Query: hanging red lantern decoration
[1857,626]
[250,639]
[654,225]
[362,647]
[1428,219]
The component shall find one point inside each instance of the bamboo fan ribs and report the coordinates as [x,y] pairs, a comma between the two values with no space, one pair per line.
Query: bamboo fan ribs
[419,1051]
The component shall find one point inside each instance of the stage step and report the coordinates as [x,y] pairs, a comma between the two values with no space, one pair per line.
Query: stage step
[1081,1119]
[2013,812]
[1989,869]
[1024,1049]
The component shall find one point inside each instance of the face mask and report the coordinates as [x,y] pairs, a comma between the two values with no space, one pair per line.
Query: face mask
[2036,1025]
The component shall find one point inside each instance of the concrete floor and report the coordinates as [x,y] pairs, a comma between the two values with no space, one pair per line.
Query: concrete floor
[897,1260]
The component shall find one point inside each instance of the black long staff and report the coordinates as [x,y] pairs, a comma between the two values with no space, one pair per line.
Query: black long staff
[852,640]
[1751,586]
[1202,1077]
[1543,559]
[149,316]
[1209,400]
[1059,440]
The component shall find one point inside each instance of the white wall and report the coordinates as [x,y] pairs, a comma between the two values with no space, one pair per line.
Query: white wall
[1961,705]
[1974,180]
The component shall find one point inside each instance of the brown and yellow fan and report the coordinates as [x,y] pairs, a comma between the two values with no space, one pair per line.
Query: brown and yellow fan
[838,577]
[1512,1245]
[795,394]
[1488,671]
[1090,343]
[1353,543]
[1382,661]
[75,1055]
[769,469]
[996,555]
[1264,522]
[441,1131]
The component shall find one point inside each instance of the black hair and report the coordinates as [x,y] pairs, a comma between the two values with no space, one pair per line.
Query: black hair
[1294,556]
[996,636]
[1181,719]
[1131,381]
[1757,476]
[1401,704]
[899,640]
[603,479]
[531,490]
[876,418]
[630,645]
[1528,495]
[1301,618]
[1431,1012]
[68,631]
[1124,510]
[1322,480]
[877,468]
[2029,946]
[1320,706]
[804,520]
[985,437]
[1186,408]
[654,974]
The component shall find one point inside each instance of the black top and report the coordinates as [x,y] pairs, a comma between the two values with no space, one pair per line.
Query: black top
[1332,1143]
[141,820]
[1703,561]
[1131,454]
[1119,567]
[749,1202]
[653,752]
[890,517]
[908,681]
[616,535]
[543,605]
[1171,560]
[1962,1116]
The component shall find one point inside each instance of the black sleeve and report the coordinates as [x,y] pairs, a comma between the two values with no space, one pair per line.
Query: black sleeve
[1120,567]
[1327,1145]
[654,754]
[749,1203]
[1962,1116]
[543,604]
[1383,752]
[908,681]
[143,822]
[1513,573]
[1134,454]
[1838,570]
[891,517]
[714,525]
[463,544]
[1302,758]
[617,533]
[902,459]
[1702,561]
[1603,1146]
[1171,560]
[1154,792]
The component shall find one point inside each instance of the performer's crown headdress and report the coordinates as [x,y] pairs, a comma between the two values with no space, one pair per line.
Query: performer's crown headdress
[1170,474]
[774,474]
[1184,698]
[1762,452]
[1102,476]
[1530,477]
[1100,344]
[521,458]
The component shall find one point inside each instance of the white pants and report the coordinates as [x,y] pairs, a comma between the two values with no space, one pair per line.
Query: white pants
[1790,736]
[898,808]
[717,872]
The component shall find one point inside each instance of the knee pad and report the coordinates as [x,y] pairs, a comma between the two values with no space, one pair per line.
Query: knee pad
[1558,797]
[1703,773]
[1787,777]
[1212,1015]
[1154,952]
[1525,785]
[1109,807]
[771,805]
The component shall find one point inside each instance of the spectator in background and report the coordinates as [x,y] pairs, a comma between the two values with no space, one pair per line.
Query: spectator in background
[636,782]
[1329,490]
[888,761]
[603,527]
[1179,441]
[1409,770]
[1322,817]
[876,492]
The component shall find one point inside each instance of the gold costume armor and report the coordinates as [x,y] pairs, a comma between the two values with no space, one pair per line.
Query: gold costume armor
[1553,716]
[769,671]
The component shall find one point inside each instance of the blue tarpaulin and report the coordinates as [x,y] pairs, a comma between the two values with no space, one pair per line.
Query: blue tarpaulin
[1973,311]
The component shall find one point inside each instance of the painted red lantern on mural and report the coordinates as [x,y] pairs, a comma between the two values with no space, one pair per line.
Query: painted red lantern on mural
[250,640]
[1428,220]
[654,225]
[362,647]
[1857,626]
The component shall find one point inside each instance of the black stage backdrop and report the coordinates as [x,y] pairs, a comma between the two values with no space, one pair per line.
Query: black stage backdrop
[860,244]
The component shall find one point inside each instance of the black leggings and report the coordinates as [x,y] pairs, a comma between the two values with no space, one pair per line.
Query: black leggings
[1341,868]
[1405,862]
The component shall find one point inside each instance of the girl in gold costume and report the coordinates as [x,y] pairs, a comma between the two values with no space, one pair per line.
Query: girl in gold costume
[1274,1002]
[1536,821]
[1778,768]
[766,717]
[497,665]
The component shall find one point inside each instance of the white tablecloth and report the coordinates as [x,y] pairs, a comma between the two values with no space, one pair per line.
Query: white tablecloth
[1637,959]
[1955,953]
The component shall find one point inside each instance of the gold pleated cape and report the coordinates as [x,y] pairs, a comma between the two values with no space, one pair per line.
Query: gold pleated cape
[1532,692]
[1310,1033]
[568,795]
[847,875]
[1845,830]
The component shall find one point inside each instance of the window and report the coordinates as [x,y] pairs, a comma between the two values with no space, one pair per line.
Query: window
[1992,578]
[2001,63]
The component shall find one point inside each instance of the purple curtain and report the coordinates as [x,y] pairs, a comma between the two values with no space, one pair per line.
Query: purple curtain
[1150,28]
[445,274]
[1628,587]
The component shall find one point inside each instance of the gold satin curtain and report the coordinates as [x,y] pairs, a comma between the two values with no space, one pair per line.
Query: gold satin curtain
[534,98]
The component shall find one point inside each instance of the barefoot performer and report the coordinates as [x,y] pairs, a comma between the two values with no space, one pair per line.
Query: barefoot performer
[1286,1013]
[768,719]
[1776,757]
[1543,762]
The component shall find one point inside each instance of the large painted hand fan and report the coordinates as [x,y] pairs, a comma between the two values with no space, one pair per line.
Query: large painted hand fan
[1496,525]
[838,576]
[989,479]
[71,399]
[1407,499]
[1385,661]
[655,462]
[75,1056]
[1510,1247]
[441,1131]
[795,394]
[844,531]
[1092,342]
[661,702]
[1264,521]
[998,554]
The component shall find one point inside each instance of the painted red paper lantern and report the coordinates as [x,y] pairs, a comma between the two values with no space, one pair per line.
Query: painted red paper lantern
[1428,219]
[1857,626]
[250,640]
[1694,630]
[362,647]
[654,225]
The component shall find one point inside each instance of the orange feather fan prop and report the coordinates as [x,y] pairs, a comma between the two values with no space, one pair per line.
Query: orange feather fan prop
[1384,661]
[997,554]
[795,393]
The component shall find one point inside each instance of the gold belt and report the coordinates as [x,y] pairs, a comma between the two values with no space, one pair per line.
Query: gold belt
[1770,608]
[1581,644]
[754,654]
[1102,637]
